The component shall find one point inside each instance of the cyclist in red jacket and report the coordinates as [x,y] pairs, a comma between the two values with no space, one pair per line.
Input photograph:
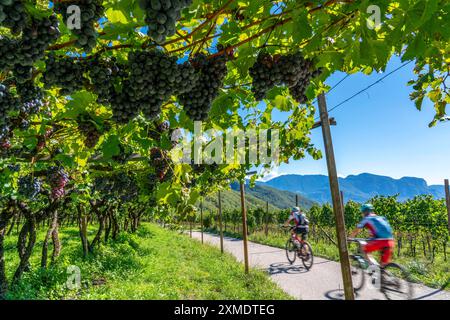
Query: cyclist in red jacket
[381,232]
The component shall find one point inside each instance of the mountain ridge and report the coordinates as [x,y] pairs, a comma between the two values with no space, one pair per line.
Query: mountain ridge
[359,187]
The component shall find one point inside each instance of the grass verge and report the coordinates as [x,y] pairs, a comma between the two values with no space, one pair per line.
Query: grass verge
[154,263]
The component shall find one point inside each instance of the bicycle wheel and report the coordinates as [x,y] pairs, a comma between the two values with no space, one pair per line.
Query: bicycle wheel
[307,255]
[291,251]
[395,283]
[358,274]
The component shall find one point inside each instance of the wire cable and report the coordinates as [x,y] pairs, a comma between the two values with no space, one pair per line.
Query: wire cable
[368,87]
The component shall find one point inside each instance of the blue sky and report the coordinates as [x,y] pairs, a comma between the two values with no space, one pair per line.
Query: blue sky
[380,131]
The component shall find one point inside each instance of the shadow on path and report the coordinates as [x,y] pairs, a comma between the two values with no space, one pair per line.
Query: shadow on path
[430,294]
[283,267]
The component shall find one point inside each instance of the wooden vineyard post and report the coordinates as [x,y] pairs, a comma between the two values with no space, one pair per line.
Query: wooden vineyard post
[296,200]
[244,227]
[337,201]
[342,201]
[267,219]
[220,222]
[447,201]
[201,218]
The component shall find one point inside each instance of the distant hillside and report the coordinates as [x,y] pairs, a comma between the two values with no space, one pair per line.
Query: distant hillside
[256,197]
[231,199]
[280,198]
[355,187]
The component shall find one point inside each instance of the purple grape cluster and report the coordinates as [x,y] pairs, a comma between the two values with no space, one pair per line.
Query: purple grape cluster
[57,179]
[29,187]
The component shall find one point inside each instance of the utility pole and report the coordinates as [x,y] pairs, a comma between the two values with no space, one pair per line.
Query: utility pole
[447,200]
[244,226]
[201,218]
[220,222]
[337,201]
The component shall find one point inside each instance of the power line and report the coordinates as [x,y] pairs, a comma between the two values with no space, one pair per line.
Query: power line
[369,86]
[337,84]
[334,87]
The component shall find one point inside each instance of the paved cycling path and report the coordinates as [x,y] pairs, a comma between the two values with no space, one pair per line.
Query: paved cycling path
[323,281]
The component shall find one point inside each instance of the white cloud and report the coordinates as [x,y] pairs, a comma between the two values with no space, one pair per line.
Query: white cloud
[273,173]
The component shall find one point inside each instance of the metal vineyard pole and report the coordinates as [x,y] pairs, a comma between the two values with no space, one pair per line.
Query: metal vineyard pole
[220,222]
[337,201]
[447,200]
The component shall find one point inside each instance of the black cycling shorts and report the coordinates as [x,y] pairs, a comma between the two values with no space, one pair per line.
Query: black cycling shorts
[303,231]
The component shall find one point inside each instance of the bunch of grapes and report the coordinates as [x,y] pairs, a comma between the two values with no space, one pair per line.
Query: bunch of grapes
[14,167]
[168,175]
[158,160]
[31,97]
[65,73]
[120,185]
[29,187]
[159,129]
[125,106]
[186,78]
[57,179]
[298,91]
[20,122]
[13,15]
[161,17]
[5,144]
[8,103]
[292,70]
[36,38]
[197,101]
[104,186]
[127,187]
[101,74]
[8,50]
[152,79]
[261,72]
[89,131]
[22,73]
[91,12]
[4,132]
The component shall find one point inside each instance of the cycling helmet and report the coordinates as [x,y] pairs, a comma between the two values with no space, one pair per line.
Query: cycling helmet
[295,209]
[367,208]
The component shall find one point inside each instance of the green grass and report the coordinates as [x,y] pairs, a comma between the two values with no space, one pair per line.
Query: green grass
[153,264]
[435,275]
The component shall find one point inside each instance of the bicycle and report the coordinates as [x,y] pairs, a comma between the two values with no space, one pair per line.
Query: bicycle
[296,247]
[394,280]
